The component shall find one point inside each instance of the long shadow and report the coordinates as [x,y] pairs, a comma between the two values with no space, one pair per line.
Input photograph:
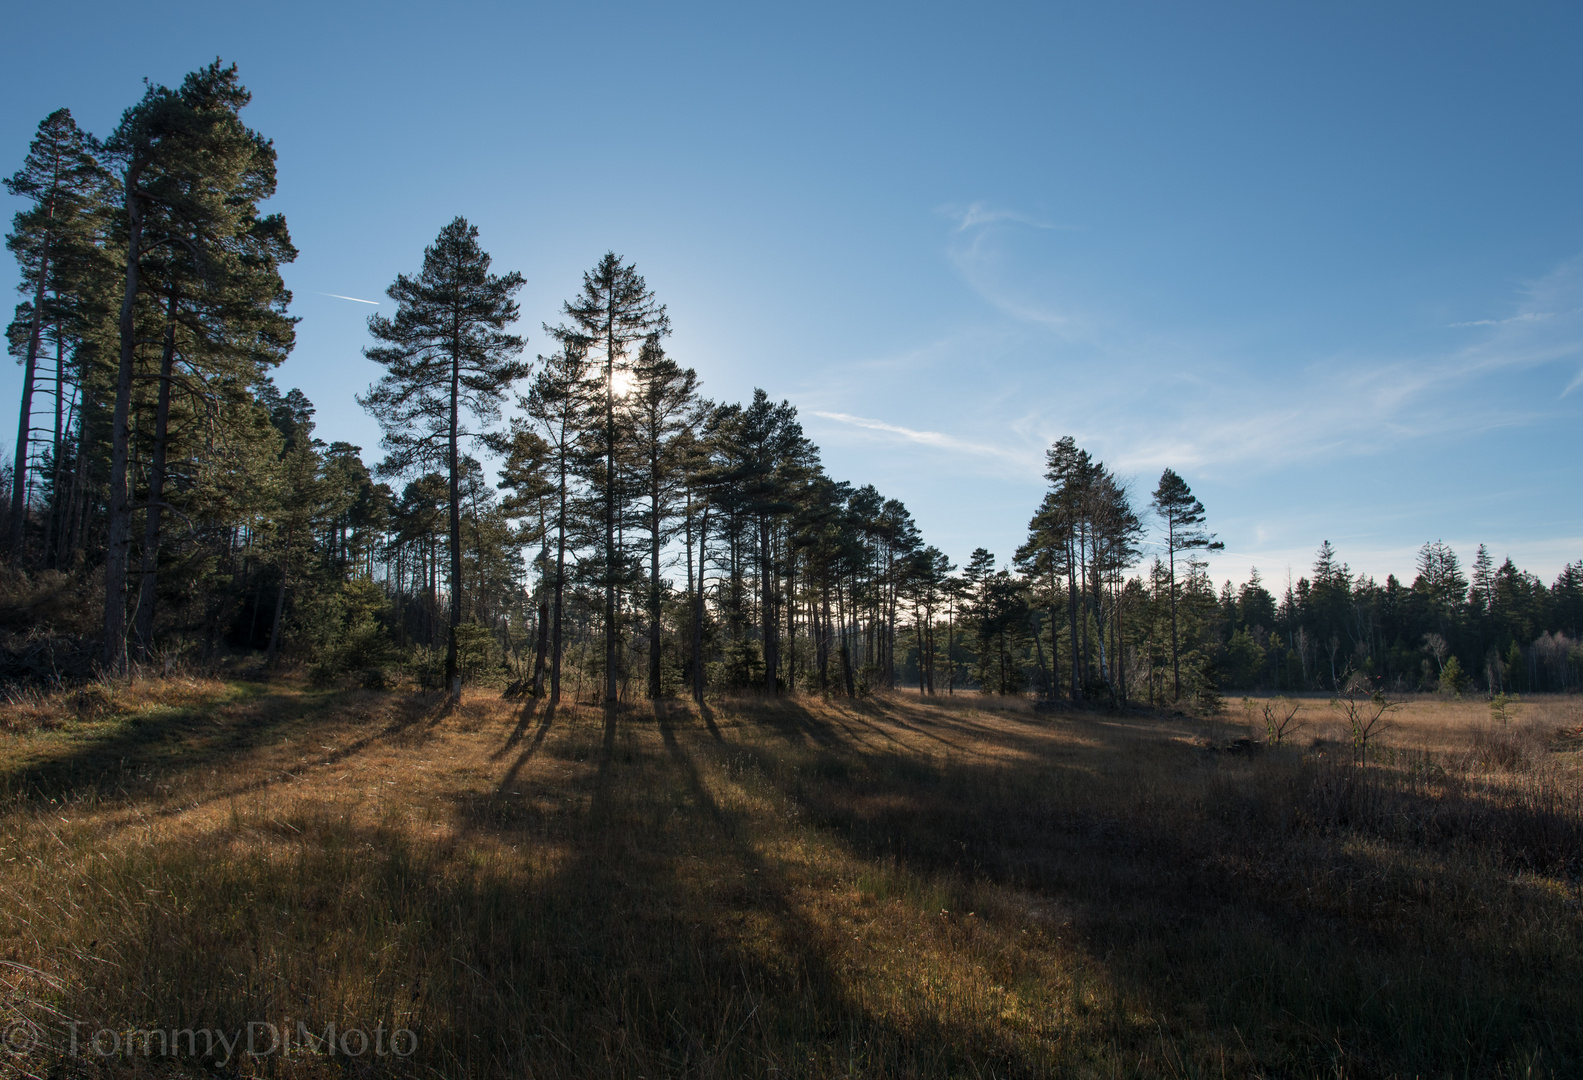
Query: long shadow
[160,750]
[524,721]
[1151,890]
[169,741]
[794,723]
[707,714]
[663,944]
[407,720]
[528,752]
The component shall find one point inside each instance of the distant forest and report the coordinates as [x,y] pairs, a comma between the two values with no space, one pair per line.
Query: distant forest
[170,505]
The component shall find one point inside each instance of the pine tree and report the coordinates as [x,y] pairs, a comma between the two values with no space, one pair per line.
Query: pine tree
[68,191]
[557,402]
[764,440]
[445,352]
[225,324]
[1184,532]
[663,404]
[614,311]
[526,473]
[190,180]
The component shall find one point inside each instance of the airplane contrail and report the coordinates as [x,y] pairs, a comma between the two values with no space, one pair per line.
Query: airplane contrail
[338,296]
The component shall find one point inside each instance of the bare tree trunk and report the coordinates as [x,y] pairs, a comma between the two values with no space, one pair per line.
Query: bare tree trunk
[280,606]
[698,608]
[143,622]
[768,617]
[560,582]
[1038,648]
[25,418]
[654,570]
[541,652]
[1176,665]
[1073,598]
[118,548]
[844,645]
[453,680]
[56,505]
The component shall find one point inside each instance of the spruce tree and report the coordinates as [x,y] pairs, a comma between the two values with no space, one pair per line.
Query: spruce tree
[445,352]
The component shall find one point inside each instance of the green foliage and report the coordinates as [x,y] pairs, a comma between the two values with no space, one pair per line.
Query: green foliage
[476,650]
[1244,659]
[1203,683]
[1453,680]
[1503,707]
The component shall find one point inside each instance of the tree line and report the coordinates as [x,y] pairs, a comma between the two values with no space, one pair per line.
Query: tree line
[168,501]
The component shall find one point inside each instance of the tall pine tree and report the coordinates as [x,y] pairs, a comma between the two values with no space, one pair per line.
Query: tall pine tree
[1184,532]
[614,311]
[446,352]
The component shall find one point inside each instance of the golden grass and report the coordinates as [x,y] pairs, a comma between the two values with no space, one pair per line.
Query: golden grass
[794,888]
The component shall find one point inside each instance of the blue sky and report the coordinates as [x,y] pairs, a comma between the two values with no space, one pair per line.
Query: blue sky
[1325,260]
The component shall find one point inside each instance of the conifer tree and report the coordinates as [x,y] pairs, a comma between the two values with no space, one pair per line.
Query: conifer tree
[1184,520]
[764,440]
[68,191]
[663,404]
[190,181]
[614,311]
[445,352]
[557,403]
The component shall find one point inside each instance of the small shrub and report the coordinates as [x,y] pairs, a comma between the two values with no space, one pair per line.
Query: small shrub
[1366,716]
[1503,707]
[1279,719]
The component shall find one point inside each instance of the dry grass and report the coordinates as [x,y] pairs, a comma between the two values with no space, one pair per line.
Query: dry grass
[792,888]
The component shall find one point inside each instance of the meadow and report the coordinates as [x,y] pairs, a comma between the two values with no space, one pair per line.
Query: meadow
[802,887]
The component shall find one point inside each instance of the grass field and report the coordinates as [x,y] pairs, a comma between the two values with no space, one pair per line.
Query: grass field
[792,888]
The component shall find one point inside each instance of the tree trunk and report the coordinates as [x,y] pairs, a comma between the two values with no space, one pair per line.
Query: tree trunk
[280,607]
[768,617]
[950,648]
[1071,612]
[1176,664]
[25,420]
[54,521]
[1038,648]
[560,576]
[541,652]
[654,568]
[143,622]
[844,645]
[118,546]
[453,680]
[698,609]
[611,694]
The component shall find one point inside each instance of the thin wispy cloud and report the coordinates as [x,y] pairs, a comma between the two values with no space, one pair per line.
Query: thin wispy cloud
[979,213]
[1348,404]
[354,299]
[983,252]
[1527,316]
[927,438]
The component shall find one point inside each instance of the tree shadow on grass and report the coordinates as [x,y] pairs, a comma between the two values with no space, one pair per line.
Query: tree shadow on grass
[163,748]
[1303,909]
[681,950]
